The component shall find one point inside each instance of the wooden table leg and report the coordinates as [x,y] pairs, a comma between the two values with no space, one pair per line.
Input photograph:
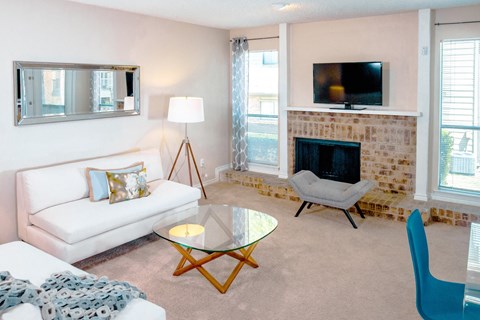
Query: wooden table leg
[183,260]
[244,258]
[239,267]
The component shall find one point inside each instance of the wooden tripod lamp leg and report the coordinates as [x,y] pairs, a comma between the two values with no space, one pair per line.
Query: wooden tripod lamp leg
[189,165]
[189,151]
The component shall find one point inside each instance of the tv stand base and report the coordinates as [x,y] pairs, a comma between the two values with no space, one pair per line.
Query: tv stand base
[349,109]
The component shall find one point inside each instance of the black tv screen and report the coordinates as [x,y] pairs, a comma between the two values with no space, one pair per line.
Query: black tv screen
[357,83]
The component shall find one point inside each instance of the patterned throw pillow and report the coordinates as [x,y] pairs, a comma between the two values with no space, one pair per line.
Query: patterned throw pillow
[127,186]
[97,180]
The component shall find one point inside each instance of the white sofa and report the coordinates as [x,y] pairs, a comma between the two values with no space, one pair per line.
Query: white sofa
[55,214]
[28,263]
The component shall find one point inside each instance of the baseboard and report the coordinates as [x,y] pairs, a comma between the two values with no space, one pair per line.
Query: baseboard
[217,175]
[420,197]
[220,169]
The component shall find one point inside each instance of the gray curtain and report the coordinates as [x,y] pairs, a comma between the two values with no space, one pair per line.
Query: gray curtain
[239,102]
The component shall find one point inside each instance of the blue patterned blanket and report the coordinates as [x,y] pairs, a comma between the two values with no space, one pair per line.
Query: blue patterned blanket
[67,296]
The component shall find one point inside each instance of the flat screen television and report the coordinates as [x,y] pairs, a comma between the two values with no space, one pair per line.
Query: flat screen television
[349,83]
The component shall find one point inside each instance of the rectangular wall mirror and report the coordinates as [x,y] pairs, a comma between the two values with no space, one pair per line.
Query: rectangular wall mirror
[52,92]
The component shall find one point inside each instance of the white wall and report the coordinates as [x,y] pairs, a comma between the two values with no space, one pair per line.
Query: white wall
[258,32]
[392,39]
[175,59]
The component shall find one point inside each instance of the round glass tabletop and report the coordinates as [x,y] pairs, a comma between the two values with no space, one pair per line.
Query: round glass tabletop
[216,228]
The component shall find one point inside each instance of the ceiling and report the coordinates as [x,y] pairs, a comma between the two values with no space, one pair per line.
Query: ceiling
[232,14]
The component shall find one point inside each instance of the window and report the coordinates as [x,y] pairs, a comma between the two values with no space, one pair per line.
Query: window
[460,116]
[262,134]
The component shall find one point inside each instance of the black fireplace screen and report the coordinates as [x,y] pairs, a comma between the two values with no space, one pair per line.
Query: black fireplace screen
[328,159]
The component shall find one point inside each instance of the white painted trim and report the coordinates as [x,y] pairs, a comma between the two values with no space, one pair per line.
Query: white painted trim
[283,175]
[283,99]
[217,176]
[261,168]
[456,198]
[420,197]
[386,112]
[423,157]
[220,169]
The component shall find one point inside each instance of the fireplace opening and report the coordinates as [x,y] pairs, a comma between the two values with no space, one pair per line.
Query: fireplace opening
[328,159]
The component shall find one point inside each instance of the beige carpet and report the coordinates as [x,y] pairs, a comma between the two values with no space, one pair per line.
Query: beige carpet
[315,266]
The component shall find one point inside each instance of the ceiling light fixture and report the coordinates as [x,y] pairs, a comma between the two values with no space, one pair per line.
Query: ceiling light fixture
[280,6]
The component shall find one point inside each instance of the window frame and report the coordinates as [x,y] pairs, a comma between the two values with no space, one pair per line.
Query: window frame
[257,166]
[442,192]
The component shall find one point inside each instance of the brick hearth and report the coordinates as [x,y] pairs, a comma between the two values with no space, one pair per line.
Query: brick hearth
[375,203]
[388,153]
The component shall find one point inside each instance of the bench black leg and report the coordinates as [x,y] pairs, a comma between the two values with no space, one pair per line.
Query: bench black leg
[301,208]
[350,218]
[359,210]
[310,205]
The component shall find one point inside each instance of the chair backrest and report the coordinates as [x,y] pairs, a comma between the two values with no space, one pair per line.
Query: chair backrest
[419,251]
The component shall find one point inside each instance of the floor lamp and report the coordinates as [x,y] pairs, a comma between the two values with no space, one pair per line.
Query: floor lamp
[186,110]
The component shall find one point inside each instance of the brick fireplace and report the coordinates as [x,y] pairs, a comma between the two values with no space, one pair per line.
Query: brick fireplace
[388,144]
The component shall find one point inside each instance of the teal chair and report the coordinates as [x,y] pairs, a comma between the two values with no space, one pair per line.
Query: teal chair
[436,299]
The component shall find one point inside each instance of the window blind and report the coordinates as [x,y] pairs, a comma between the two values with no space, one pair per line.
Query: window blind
[459,125]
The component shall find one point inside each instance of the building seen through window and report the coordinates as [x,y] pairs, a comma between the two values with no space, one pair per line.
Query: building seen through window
[53,91]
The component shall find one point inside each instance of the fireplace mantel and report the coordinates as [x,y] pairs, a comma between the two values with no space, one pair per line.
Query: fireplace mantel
[385,112]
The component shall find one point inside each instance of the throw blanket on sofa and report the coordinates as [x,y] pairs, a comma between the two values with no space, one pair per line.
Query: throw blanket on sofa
[67,296]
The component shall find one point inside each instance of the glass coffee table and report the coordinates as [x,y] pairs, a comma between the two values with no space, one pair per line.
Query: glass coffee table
[217,230]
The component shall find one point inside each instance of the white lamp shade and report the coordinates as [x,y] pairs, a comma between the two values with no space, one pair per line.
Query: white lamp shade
[185,109]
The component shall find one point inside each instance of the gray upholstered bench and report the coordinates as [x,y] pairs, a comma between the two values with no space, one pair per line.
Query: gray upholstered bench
[313,190]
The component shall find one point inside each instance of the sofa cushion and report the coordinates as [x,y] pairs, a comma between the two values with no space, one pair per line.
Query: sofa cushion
[97,180]
[78,220]
[51,186]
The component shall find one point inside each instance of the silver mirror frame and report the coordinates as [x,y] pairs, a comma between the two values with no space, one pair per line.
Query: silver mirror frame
[19,93]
